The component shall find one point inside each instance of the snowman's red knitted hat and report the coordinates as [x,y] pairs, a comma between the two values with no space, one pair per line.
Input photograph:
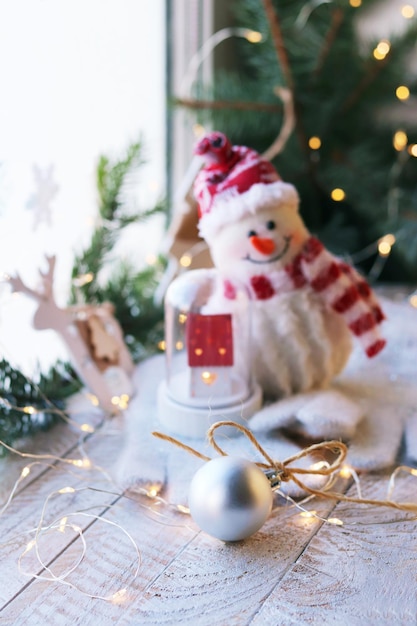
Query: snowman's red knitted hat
[234,182]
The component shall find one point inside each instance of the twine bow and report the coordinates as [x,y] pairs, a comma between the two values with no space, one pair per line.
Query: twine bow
[287,473]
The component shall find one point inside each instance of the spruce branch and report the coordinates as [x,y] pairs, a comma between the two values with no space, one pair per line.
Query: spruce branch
[330,38]
[239,105]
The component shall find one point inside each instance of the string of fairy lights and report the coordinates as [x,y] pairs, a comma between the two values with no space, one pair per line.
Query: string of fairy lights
[383,246]
[67,525]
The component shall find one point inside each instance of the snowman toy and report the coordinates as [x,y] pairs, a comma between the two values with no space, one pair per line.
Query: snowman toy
[306,304]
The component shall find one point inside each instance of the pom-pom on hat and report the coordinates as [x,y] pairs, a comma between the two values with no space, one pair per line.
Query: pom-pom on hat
[234,182]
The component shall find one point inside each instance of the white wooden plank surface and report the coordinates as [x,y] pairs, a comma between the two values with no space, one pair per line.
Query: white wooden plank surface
[295,570]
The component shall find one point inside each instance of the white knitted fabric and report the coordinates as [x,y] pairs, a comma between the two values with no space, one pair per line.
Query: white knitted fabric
[370,405]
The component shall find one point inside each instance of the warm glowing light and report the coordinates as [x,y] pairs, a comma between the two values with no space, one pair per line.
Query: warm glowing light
[384,248]
[314,143]
[151,259]
[153,491]
[30,545]
[179,345]
[400,140]
[93,399]
[185,260]
[199,131]
[67,490]
[402,92]
[389,238]
[25,472]
[345,472]
[412,149]
[83,279]
[115,400]
[84,463]
[407,11]
[382,49]
[355,3]
[222,351]
[162,345]
[198,351]
[254,36]
[338,194]
[182,318]
[208,377]
[335,521]
[30,410]
[86,428]
[119,596]
[320,465]
[413,300]
[183,509]
[385,244]
[63,524]
[308,514]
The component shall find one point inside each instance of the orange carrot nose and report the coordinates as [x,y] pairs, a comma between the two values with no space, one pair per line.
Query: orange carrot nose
[264,245]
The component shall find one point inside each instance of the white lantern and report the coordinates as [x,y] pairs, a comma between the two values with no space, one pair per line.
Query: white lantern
[208,373]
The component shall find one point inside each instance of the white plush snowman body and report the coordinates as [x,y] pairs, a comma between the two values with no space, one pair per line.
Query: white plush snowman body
[298,342]
[306,305]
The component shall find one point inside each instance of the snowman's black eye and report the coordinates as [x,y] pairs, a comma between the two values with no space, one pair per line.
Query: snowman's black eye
[217,142]
[270,225]
[252,233]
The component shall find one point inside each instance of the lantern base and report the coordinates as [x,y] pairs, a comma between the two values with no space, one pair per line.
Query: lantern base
[194,421]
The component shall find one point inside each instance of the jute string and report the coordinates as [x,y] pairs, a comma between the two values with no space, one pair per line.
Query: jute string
[287,472]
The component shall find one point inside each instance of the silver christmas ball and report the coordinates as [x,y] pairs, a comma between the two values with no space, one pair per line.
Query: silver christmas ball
[230,498]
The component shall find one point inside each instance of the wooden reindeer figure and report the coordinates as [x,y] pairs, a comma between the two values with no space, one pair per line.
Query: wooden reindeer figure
[92,335]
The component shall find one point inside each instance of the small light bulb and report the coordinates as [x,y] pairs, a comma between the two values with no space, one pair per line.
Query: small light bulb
[320,465]
[314,143]
[183,509]
[119,596]
[182,318]
[162,345]
[153,491]
[179,345]
[382,49]
[400,140]
[93,399]
[335,521]
[185,260]
[25,472]
[402,92]
[345,472]
[30,410]
[355,3]
[407,11]
[151,259]
[62,524]
[308,514]
[384,248]
[412,149]
[67,490]
[389,238]
[199,131]
[254,36]
[86,428]
[413,300]
[115,400]
[337,194]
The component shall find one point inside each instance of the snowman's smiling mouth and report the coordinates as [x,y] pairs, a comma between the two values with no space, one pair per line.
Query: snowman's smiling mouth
[277,257]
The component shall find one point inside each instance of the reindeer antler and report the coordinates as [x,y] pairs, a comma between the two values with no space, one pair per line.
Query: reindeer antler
[48,276]
[19,286]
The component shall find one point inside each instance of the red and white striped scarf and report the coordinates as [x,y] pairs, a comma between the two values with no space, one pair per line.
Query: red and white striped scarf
[339,284]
